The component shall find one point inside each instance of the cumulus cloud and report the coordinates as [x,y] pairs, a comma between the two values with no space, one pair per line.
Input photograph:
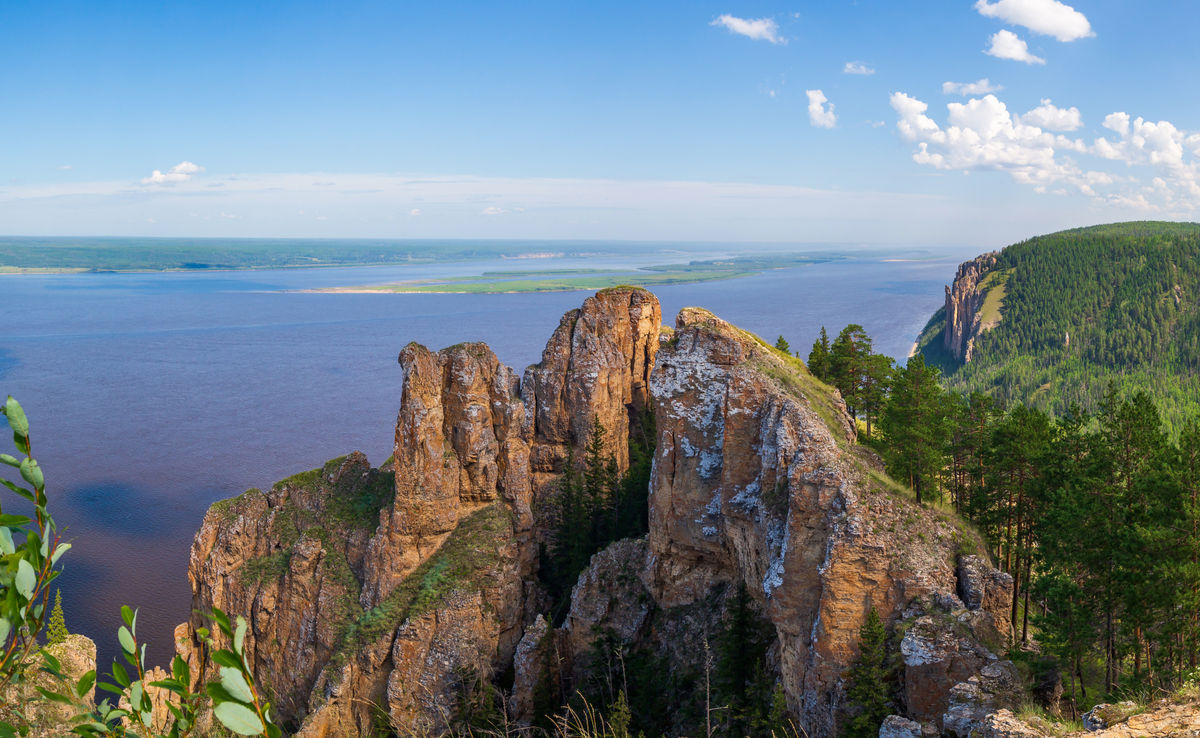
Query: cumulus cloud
[978,87]
[759,29]
[414,212]
[1007,45]
[818,114]
[1047,17]
[181,172]
[1053,118]
[981,134]
[857,67]
[492,210]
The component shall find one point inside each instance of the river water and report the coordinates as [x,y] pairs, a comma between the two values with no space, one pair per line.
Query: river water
[153,395]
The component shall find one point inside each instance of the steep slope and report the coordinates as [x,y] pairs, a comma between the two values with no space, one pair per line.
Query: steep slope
[1053,320]
[376,597]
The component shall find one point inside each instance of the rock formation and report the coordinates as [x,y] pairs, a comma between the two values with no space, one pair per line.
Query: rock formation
[964,298]
[382,587]
[376,596]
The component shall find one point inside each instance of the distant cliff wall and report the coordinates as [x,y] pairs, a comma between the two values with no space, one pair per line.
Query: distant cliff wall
[964,301]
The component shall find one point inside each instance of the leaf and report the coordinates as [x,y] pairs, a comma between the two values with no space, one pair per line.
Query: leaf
[6,542]
[26,579]
[10,460]
[120,674]
[238,718]
[135,696]
[32,473]
[13,521]
[85,683]
[235,684]
[127,615]
[7,731]
[54,696]
[126,639]
[58,552]
[5,628]
[226,658]
[16,417]
[18,489]
[239,636]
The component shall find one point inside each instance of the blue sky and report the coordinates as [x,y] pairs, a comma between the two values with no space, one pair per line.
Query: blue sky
[674,121]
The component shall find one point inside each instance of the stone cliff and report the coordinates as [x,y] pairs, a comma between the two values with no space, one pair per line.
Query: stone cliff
[964,301]
[376,596]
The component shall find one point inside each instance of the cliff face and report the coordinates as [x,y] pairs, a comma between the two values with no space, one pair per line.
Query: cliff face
[376,596]
[964,299]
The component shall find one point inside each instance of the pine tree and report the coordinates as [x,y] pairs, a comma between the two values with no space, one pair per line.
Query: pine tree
[818,357]
[869,694]
[56,629]
[782,345]
[916,425]
[848,358]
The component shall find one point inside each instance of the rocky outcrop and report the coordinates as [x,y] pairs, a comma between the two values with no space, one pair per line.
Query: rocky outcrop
[996,686]
[964,298]
[596,367]
[378,592]
[984,588]
[44,718]
[896,726]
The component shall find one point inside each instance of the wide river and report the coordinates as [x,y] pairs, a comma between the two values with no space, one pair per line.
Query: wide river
[152,395]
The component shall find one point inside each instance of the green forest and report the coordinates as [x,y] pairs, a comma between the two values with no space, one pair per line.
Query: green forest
[1089,309]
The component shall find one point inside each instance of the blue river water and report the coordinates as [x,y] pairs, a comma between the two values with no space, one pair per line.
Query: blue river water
[153,395]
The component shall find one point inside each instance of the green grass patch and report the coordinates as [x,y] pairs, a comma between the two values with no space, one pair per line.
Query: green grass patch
[467,560]
[996,285]
[265,568]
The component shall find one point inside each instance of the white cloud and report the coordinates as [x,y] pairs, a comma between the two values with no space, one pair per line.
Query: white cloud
[978,87]
[64,168]
[818,115]
[181,172]
[856,67]
[1047,17]
[414,212]
[759,29]
[1053,118]
[876,123]
[1007,45]
[981,134]
[492,210]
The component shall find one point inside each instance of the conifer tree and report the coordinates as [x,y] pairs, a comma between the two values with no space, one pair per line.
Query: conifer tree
[56,629]
[869,693]
[915,424]
[818,357]
[782,345]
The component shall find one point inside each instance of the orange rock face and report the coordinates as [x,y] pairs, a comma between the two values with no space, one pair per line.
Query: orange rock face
[313,574]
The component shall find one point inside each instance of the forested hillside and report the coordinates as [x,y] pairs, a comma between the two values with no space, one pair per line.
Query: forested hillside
[1082,309]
